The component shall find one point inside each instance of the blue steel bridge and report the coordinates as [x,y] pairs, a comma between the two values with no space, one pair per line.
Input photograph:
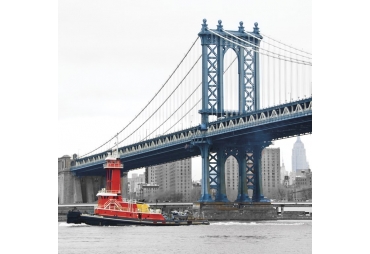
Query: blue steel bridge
[247,90]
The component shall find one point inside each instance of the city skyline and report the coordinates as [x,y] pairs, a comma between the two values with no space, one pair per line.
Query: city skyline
[285,156]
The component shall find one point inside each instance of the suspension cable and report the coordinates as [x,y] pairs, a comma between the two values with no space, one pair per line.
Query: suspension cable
[286,44]
[252,35]
[163,101]
[263,42]
[148,102]
[291,59]
[183,116]
[185,102]
[263,48]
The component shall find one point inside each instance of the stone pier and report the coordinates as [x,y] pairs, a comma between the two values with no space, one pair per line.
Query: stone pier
[73,189]
[217,211]
[69,186]
[124,185]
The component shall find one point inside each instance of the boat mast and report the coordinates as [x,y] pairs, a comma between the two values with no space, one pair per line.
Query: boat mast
[113,168]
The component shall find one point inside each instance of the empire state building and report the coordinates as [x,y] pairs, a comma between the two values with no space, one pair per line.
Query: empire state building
[299,161]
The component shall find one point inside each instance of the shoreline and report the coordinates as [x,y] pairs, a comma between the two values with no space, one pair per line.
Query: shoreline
[213,214]
[63,218]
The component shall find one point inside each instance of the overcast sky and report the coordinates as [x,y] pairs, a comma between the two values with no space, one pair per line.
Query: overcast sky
[114,55]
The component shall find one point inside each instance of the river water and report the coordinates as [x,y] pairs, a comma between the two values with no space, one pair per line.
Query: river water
[282,236]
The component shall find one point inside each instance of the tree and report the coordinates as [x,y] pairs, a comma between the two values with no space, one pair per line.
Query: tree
[163,195]
[176,197]
[281,192]
[306,193]
[195,194]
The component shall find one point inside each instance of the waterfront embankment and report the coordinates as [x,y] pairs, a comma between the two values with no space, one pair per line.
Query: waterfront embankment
[247,213]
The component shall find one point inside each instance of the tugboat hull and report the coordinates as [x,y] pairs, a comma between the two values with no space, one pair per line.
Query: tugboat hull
[76,217]
[98,220]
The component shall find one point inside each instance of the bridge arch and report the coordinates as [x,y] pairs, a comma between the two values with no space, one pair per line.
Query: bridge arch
[232,177]
[215,44]
[231,80]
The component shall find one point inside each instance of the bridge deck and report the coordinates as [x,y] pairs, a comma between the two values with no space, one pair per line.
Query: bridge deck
[274,123]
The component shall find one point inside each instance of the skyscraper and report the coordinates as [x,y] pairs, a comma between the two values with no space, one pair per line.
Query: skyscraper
[283,173]
[299,161]
[173,177]
[271,179]
[135,182]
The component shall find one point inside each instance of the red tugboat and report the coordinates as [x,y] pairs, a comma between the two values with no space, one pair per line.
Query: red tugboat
[112,210]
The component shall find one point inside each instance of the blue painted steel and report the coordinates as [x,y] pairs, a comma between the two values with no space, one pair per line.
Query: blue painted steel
[221,186]
[203,146]
[254,153]
[239,152]
[289,121]
[243,134]
[213,51]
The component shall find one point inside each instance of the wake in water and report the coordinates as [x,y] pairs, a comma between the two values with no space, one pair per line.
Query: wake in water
[65,224]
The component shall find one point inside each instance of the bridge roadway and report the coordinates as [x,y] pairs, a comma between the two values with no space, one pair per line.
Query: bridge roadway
[282,121]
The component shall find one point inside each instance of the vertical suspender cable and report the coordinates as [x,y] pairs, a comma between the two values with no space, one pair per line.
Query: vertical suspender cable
[298,85]
[268,80]
[304,94]
[159,114]
[285,80]
[279,62]
[291,77]
[273,81]
[263,90]
[228,87]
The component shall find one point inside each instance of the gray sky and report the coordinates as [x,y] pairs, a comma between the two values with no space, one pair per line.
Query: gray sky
[114,55]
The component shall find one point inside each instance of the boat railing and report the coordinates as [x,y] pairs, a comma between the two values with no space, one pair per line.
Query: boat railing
[113,202]
[103,190]
[112,165]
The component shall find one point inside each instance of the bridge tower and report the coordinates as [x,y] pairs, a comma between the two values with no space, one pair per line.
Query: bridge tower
[215,44]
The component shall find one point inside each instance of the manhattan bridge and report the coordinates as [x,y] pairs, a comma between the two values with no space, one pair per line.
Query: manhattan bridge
[232,94]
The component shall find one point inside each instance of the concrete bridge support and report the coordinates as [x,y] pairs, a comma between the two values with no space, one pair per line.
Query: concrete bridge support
[98,184]
[77,197]
[73,189]
[69,186]
[124,185]
[89,188]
